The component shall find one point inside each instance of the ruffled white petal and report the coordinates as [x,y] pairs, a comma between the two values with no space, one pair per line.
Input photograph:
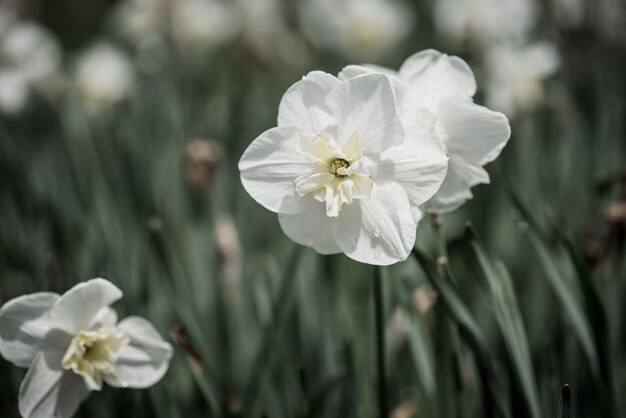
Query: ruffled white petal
[312,227]
[379,230]
[303,105]
[144,361]
[455,190]
[76,309]
[401,88]
[269,167]
[419,165]
[472,132]
[434,75]
[105,316]
[49,391]
[23,326]
[366,105]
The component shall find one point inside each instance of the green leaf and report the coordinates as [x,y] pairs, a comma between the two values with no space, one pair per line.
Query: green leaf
[567,297]
[470,332]
[509,319]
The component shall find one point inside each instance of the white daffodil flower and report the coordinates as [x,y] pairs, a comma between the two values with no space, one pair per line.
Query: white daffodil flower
[359,29]
[72,343]
[341,170]
[30,58]
[485,21]
[435,91]
[103,77]
[515,76]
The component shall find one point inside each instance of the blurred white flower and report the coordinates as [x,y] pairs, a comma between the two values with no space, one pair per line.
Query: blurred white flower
[103,76]
[30,58]
[266,32]
[71,343]
[435,91]
[340,170]
[199,25]
[193,25]
[515,75]
[484,21]
[359,29]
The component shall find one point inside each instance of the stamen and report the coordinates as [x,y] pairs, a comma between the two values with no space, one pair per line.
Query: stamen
[338,164]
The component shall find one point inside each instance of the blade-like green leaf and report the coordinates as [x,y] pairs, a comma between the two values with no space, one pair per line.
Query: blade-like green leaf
[471,334]
[509,321]
[567,297]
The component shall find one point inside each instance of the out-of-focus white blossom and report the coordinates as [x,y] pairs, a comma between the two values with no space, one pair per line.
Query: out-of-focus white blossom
[484,21]
[30,58]
[359,29]
[192,25]
[199,25]
[72,343]
[103,77]
[265,31]
[342,171]
[435,91]
[515,75]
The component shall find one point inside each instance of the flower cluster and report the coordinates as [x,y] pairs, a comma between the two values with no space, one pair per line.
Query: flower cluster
[72,343]
[356,159]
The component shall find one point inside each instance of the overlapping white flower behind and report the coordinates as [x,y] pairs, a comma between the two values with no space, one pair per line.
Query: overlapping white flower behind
[359,29]
[515,75]
[103,76]
[485,21]
[342,171]
[435,91]
[72,343]
[30,59]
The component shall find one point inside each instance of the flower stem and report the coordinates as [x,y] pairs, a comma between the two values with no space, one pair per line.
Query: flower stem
[380,342]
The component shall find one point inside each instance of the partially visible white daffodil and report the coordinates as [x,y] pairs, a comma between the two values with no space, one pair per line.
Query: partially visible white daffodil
[359,29]
[30,58]
[194,26]
[484,21]
[266,33]
[103,76]
[515,76]
[435,91]
[341,170]
[72,343]
[200,25]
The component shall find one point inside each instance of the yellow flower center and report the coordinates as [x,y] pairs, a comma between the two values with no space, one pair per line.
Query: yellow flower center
[337,174]
[92,354]
[337,165]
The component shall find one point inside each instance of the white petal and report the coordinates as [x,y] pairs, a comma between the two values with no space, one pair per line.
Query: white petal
[269,167]
[366,105]
[311,228]
[105,316]
[49,391]
[419,165]
[399,86]
[351,71]
[455,190]
[303,105]
[434,75]
[76,309]
[145,360]
[379,230]
[23,326]
[472,132]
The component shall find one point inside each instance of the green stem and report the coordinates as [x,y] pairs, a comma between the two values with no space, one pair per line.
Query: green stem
[380,342]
